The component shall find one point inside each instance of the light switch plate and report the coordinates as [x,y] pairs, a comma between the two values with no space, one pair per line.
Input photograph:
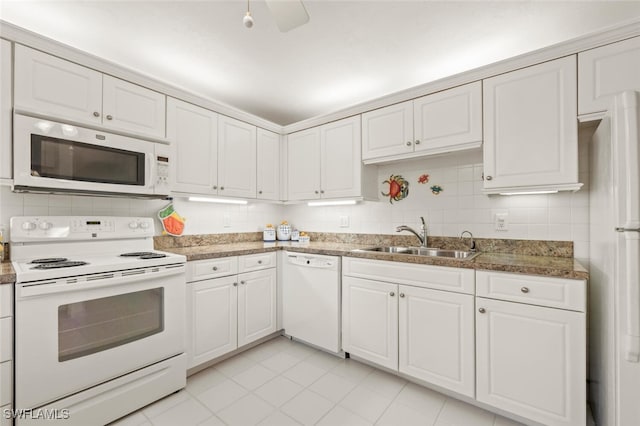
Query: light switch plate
[502,222]
[226,220]
[344,221]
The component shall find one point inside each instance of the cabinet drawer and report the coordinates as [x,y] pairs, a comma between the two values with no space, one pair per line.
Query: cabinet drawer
[6,339]
[427,276]
[6,384]
[214,268]
[544,291]
[6,300]
[255,262]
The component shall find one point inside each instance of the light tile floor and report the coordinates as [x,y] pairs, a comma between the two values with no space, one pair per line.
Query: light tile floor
[283,383]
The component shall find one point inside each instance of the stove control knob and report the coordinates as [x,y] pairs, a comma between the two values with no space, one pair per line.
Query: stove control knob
[46,225]
[144,225]
[29,226]
[133,225]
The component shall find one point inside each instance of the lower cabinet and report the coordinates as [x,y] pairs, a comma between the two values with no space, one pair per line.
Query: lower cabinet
[228,312]
[424,333]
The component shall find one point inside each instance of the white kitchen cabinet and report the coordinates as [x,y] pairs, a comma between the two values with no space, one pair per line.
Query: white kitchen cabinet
[256,305]
[370,320]
[530,129]
[605,71]
[236,158]
[531,361]
[303,149]
[325,162]
[6,109]
[212,306]
[6,420]
[268,165]
[193,132]
[437,338]
[445,121]
[6,344]
[50,86]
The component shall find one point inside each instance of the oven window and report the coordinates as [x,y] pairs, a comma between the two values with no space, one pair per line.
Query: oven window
[64,159]
[96,325]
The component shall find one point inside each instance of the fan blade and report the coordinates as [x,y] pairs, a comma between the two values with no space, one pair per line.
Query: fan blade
[289,14]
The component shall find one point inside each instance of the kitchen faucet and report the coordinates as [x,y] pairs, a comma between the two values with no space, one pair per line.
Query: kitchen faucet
[472,245]
[423,228]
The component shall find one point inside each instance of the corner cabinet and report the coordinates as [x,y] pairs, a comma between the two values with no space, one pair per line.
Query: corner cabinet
[445,121]
[268,165]
[193,132]
[530,129]
[325,162]
[231,302]
[606,71]
[531,355]
[415,319]
[50,86]
[236,158]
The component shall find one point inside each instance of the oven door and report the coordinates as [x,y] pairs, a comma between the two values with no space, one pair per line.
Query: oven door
[75,333]
[63,157]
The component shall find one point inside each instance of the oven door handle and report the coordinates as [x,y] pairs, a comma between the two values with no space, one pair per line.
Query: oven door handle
[91,282]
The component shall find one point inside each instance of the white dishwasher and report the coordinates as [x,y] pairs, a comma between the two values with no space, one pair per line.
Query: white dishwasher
[311,299]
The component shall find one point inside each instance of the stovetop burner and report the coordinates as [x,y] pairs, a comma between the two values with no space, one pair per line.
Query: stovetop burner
[59,264]
[144,255]
[49,260]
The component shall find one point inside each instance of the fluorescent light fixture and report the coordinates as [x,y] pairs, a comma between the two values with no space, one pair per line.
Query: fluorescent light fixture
[529,193]
[217,200]
[331,203]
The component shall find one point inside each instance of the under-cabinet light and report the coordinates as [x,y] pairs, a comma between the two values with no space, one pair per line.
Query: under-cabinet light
[217,200]
[529,193]
[331,203]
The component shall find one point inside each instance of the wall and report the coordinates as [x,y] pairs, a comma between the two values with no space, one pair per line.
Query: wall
[460,206]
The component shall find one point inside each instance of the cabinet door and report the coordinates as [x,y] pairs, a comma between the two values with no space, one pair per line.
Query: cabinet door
[193,132]
[132,108]
[268,165]
[212,324]
[530,128]
[236,158]
[303,149]
[6,118]
[51,86]
[449,120]
[370,320]
[340,159]
[256,305]
[436,338]
[531,361]
[605,71]
[387,131]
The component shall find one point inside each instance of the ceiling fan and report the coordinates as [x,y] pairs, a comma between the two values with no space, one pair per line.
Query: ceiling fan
[289,14]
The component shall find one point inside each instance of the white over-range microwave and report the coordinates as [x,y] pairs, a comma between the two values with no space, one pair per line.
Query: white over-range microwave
[55,157]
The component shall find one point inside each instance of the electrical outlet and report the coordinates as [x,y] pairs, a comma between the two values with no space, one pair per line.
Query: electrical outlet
[226,220]
[501,222]
[344,221]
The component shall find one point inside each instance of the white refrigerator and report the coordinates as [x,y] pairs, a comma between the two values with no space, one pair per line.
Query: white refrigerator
[614,287]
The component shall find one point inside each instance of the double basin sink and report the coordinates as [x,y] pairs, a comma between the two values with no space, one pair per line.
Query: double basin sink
[423,251]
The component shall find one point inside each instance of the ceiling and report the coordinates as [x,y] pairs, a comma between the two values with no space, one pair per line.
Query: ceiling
[349,52]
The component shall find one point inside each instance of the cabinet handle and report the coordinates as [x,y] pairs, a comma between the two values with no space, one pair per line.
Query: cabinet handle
[322,191]
[417,142]
[96,114]
[259,262]
[259,192]
[489,177]
[215,268]
[482,310]
[317,192]
[408,143]
[524,289]
[215,186]
[243,282]
[222,188]
[109,117]
[401,294]
[235,284]
[392,294]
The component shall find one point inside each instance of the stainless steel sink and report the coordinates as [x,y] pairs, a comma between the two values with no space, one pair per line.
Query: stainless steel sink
[424,251]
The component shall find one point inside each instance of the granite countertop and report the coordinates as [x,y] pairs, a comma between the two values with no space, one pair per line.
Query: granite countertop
[564,267]
[7,274]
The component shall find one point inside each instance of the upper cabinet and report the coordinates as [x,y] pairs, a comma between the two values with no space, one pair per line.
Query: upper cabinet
[324,162]
[236,158]
[605,71]
[6,134]
[51,86]
[530,129]
[446,121]
[268,165]
[193,132]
